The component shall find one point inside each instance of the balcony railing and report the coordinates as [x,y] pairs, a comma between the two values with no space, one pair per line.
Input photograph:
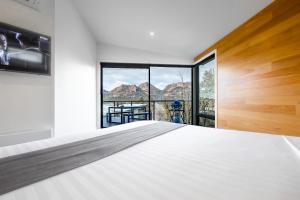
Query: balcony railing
[206,113]
[160,109]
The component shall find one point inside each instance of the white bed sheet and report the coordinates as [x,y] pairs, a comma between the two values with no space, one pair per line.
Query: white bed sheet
[188,163]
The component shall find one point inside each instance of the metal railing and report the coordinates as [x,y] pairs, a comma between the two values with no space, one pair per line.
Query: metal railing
[160,109]
[206,113]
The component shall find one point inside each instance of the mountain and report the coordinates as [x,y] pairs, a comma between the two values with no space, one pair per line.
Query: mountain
[105,92]
[128,92]
[155,92]
[145,87]
[177,91]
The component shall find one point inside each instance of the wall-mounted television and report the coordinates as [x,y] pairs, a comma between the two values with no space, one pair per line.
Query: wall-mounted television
[24,51]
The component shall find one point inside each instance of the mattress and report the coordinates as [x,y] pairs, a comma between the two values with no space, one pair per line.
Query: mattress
[188,163]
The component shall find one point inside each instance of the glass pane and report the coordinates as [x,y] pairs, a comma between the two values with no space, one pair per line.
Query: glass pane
[125,95]
[207,94]
[170,84]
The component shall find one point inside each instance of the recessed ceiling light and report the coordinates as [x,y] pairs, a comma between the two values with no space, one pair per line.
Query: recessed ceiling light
[152,34]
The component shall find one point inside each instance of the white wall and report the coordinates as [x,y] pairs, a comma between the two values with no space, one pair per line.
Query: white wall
[75,72]
[26,101]
[112,53]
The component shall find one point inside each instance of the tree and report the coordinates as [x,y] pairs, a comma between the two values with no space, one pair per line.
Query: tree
[207,90]
[207,85]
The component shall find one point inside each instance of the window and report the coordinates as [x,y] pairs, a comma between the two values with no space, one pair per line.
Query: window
[206,91]
[132,92]
[127,95]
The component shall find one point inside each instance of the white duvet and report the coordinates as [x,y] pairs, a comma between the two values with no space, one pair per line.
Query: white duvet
[191,163]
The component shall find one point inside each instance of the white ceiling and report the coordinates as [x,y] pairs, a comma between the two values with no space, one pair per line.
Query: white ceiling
[183,27]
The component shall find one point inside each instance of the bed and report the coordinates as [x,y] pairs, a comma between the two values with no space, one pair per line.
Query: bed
[187,163]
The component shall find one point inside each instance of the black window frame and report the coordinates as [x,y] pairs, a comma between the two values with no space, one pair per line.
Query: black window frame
[196,91]
[141,66]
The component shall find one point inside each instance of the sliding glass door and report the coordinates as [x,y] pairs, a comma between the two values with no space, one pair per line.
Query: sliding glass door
[125,95]
[205,93]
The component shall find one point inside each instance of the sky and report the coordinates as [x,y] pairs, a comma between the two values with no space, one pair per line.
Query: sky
[160,76]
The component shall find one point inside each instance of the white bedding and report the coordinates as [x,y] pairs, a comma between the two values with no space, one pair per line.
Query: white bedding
[188,163]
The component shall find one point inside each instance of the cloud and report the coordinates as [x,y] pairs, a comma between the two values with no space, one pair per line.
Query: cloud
[160,76]
[113,77]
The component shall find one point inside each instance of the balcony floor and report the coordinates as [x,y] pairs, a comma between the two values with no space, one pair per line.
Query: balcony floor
[114,119]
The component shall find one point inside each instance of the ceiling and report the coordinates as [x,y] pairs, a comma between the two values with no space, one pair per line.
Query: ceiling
[182,28]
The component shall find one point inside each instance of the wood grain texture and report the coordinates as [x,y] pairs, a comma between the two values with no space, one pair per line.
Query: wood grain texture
[259,72]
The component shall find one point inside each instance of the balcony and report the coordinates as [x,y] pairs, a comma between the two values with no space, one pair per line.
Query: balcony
[118,112]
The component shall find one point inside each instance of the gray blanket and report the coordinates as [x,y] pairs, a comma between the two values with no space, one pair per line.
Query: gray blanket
[24,169]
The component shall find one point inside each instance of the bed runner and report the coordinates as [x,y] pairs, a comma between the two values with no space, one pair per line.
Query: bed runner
[25,169]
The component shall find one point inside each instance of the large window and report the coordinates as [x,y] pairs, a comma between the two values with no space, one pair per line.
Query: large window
[127,95]
[176,93]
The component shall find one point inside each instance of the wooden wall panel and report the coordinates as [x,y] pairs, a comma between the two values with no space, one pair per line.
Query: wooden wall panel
[259,72]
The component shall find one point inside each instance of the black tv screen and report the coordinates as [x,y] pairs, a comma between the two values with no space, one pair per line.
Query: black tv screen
[24,51]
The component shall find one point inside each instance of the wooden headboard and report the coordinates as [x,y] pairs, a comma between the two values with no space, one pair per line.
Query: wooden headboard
[259,72]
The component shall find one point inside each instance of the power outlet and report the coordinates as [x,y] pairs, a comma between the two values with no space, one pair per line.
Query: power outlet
[34,4]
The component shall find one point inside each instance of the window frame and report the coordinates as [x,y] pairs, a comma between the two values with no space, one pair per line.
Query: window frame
[139,66]
[196,100]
